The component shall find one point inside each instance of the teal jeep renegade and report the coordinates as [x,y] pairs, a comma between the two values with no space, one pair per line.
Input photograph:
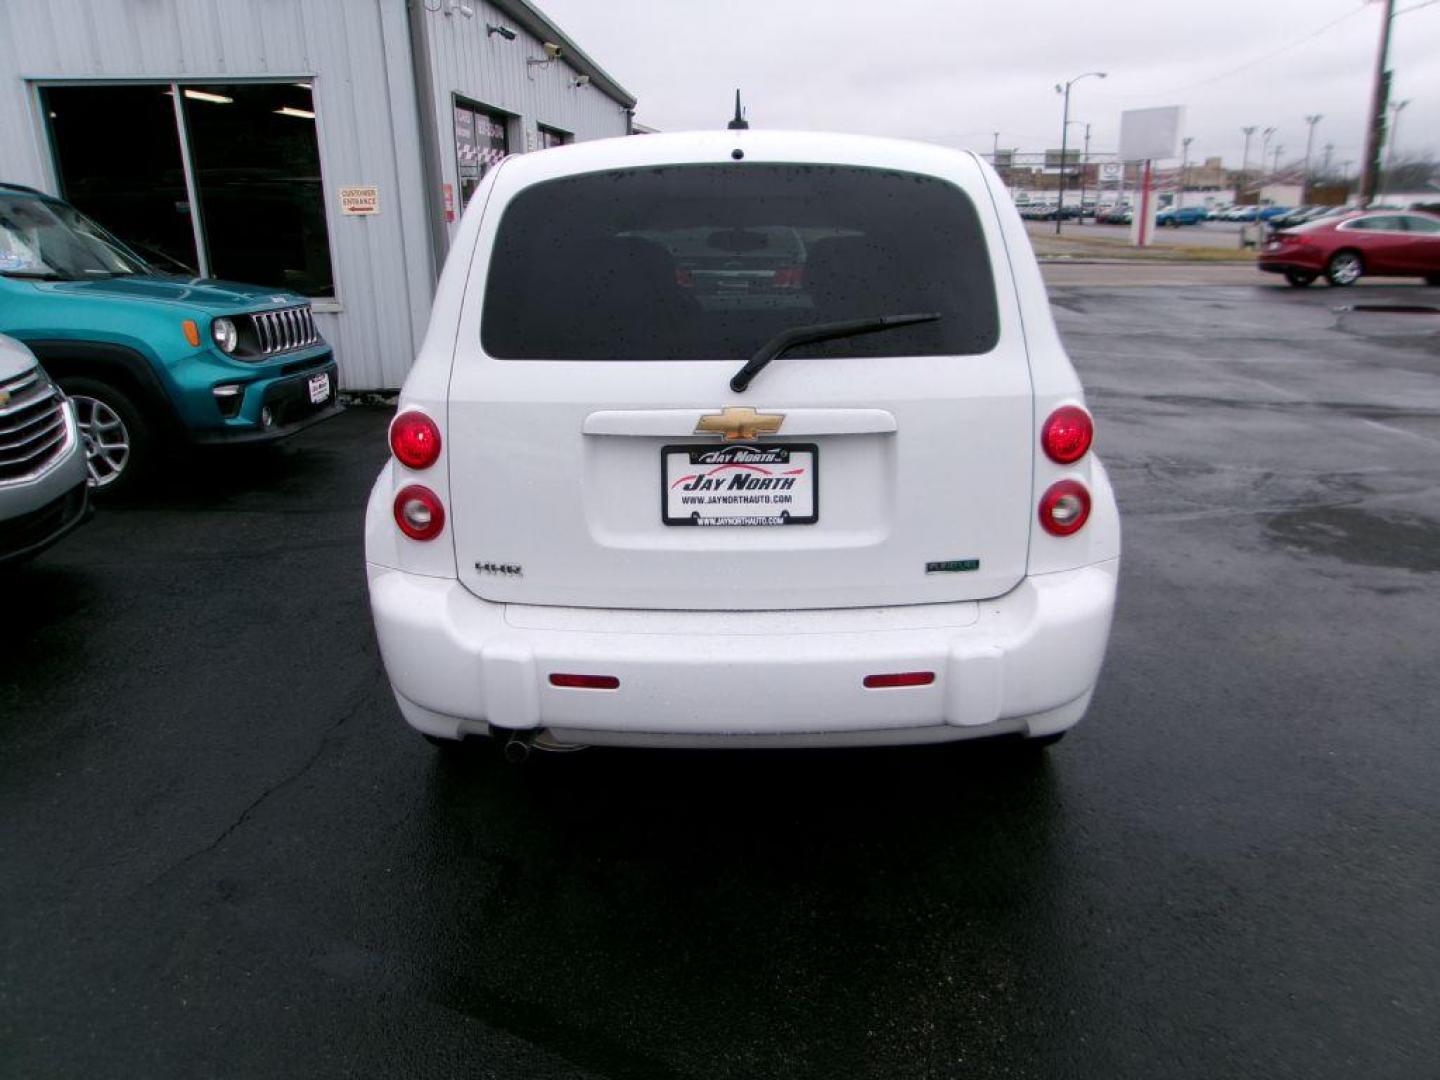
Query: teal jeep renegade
[153,360]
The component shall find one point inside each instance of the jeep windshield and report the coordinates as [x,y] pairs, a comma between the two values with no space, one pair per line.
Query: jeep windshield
[44,239]
[709,262]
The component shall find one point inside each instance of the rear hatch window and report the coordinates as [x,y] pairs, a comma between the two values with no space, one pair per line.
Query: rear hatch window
[707,262]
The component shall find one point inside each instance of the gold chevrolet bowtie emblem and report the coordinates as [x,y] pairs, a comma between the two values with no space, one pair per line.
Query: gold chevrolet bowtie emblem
[739,423]
[4,398]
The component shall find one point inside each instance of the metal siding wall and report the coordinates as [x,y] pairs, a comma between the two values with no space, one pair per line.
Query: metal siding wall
[488,69]
[358,53]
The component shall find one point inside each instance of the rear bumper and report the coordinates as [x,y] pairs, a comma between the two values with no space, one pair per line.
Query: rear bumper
[1025,662]
[1280,264]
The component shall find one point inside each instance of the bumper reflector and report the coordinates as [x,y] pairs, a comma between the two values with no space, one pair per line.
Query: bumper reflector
[899,678]
[585,682]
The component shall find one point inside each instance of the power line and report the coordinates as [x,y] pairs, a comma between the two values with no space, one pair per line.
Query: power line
[1282,49]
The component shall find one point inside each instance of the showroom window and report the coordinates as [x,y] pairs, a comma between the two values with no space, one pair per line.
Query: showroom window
[226,182]
[550,136]
[481,141]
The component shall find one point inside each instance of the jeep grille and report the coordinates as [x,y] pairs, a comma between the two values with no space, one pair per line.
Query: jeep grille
[284,330]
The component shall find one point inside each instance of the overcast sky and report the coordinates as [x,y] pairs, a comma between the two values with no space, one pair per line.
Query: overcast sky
[954,71]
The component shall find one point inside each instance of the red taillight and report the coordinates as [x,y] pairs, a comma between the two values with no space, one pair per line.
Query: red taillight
[899,678]
[585,682]
[1067,434]
[789,277]
[1064,507]
[419,513]
[415,440]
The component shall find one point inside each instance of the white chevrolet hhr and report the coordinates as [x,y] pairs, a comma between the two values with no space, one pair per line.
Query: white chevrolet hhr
[742,439]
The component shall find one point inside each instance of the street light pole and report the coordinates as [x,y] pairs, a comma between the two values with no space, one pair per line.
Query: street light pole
[1311,120]
[1064,140]
[1084,167]
[1279,149]
[1184,168]
[1395,110]
[1245,158]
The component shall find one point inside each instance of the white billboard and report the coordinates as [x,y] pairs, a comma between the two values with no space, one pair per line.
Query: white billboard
[1150,134]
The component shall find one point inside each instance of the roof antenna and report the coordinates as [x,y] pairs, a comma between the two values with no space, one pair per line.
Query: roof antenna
[739,123]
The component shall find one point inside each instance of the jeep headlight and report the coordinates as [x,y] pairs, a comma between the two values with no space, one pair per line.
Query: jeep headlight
[225,335]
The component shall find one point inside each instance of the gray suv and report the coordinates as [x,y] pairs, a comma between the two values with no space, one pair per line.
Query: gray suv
[43,479]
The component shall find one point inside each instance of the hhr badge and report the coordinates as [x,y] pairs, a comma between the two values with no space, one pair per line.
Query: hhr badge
[739,423]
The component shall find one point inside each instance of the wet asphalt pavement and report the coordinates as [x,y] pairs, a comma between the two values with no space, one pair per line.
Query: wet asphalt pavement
[223,854]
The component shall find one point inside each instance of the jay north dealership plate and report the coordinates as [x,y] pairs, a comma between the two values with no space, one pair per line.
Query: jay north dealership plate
[745,484]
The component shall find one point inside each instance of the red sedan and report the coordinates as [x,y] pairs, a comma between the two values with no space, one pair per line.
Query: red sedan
[1385,243]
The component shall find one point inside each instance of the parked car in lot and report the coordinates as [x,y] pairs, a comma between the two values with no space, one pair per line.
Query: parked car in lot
[1184,215]
[43,488]
[1345,248]
[734,266]
[151,359]
[614,515]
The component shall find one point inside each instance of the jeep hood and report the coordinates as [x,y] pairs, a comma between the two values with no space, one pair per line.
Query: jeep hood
[212,296]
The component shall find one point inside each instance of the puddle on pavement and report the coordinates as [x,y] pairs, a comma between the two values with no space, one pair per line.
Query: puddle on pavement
[1418,321]
[1360,537]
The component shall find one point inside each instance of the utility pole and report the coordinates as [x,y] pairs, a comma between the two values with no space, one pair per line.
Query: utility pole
[1395,111]
[1245,159]
[995,150]
[1084,168]
[1379,101]
[1309,142]
[1279,149]
[1184,168]
[1329,151]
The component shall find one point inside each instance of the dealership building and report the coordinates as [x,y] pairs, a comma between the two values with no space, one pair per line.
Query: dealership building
[323,146]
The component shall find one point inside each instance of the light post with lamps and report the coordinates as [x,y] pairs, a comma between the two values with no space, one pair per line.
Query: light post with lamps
[1184,167]
[1245,157]
[1311,120]
[1064,140]
[1396,107]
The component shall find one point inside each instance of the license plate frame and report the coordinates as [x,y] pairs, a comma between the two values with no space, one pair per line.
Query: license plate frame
[320,382]
[752,458]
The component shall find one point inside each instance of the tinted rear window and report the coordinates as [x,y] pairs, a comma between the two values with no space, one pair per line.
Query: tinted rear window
[703,262]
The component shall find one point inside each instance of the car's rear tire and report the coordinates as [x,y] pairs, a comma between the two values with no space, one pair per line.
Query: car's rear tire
[119,442]
[1299,278]
[1344,268]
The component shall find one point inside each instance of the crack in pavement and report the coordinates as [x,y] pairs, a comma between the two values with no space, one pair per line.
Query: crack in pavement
[362,699]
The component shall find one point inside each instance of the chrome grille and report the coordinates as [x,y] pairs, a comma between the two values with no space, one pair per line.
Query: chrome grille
[284,330]
[33,432]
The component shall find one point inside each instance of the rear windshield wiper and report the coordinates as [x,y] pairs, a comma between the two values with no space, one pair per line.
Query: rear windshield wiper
[786,340]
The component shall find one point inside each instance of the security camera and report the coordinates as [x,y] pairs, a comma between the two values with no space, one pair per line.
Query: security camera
[504,31]
[553,51]
[583,80]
